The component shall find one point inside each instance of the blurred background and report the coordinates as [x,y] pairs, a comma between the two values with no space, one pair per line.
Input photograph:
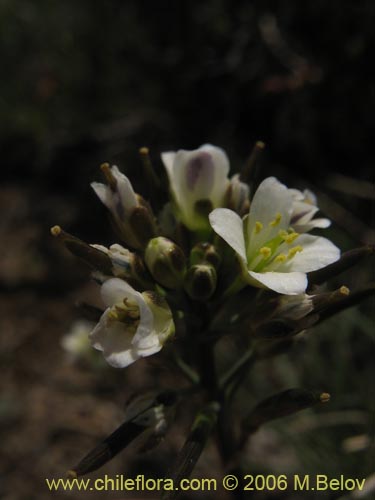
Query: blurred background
[93,81]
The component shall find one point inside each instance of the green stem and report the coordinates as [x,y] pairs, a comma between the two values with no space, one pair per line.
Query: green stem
[187,370]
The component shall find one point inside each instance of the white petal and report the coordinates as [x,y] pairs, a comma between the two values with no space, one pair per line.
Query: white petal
[317,252]
[121,359]
[221,164]
[271,198]
[115,290]
[302,213]
[115,342]
[295,306]
[104,194]
[291,283]
[194,173]
[229,226]
[125,190]
[168,159]
[296,194]
[152,348]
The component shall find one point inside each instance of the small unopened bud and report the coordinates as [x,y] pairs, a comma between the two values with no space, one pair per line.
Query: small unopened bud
[131,215]
[203,253]
[166,262]
[237,195]
[200,281]
[127,265]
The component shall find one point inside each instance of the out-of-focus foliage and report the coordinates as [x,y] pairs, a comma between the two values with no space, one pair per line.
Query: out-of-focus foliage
[112,75]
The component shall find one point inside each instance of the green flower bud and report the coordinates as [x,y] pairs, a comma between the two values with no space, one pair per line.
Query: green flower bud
[166,262]
[200,281]
[205,253]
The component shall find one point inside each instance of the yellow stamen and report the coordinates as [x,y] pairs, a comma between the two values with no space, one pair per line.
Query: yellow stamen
[292,252]
[106,169]
[344,290]
[113,315]
[265,252]
[281,258]
[258,227]
[288,237]
[276,221]
[325,397]
[55,230]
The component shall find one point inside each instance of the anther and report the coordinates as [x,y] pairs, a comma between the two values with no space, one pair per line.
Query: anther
[277,220]
[113,315]
[281,258]
[344,290]
[288,237]
[56,231]
[258,227]
[265,252]
[324,397]
[293,251]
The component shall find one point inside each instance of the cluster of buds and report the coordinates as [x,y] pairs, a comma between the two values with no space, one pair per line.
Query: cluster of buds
[215,261]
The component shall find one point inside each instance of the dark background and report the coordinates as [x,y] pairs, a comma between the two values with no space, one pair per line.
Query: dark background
[92,81]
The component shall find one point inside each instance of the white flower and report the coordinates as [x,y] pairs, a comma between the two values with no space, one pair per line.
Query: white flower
[133,326]
[198,182]
[304,209]
[76,342]
[272,254]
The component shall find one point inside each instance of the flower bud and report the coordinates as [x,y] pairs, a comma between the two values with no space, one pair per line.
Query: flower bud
[127,265]
[131,215]
[205,253]
[200,281]
[237,196]
[166,262]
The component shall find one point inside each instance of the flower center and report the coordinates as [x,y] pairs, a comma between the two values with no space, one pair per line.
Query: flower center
[126,312]
[274,252]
